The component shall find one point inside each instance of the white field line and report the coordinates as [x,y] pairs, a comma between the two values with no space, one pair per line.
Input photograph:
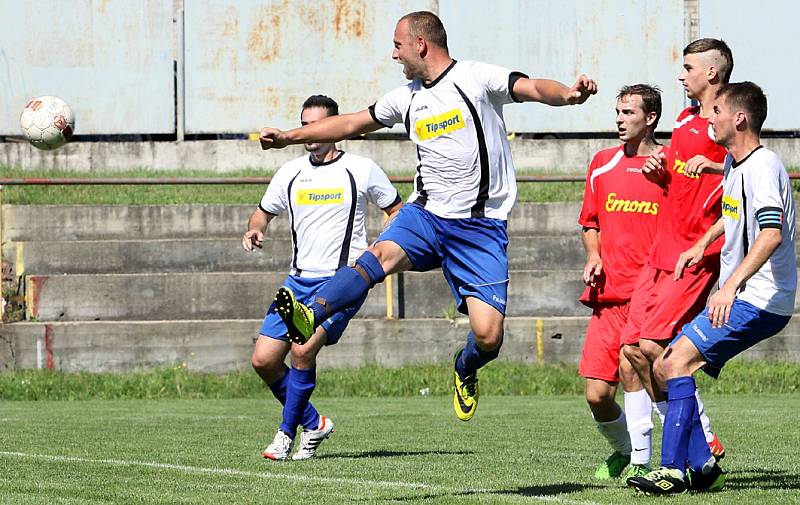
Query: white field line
[292,477]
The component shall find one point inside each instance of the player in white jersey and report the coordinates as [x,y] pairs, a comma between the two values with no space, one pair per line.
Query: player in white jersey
[464,189]
[326,195]
[757,285]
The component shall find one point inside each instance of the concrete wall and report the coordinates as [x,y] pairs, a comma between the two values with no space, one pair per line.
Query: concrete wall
[557,156]
[223,345]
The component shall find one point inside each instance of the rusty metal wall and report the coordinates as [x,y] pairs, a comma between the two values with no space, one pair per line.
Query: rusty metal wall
[110,60]
[616,42]
[253,62]
[764,50]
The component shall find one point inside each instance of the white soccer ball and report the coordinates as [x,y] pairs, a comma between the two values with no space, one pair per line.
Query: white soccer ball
[47,122]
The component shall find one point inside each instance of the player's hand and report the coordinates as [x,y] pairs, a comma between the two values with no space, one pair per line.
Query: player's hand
[653,168]
[719,306]
[252,239]
[581,90]
[592,271]
[272,138]
[699,164]
[688,258]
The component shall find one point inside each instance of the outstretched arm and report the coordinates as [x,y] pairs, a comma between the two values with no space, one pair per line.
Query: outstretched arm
[553,92]
[329,129]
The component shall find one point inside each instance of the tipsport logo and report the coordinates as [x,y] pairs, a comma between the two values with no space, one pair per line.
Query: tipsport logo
[320,196]
[439,125]
[730,207]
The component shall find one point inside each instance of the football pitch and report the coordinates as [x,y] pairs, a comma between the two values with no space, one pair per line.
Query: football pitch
[384,450]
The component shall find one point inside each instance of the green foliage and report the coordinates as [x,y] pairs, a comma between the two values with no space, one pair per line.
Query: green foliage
[503,377]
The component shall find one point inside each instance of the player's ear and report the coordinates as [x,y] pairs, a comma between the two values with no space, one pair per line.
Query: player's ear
[650,119]
[713,73]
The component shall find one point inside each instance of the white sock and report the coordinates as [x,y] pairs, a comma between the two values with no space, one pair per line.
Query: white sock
[661,409]
[616,432]
[639,413]
[704,420]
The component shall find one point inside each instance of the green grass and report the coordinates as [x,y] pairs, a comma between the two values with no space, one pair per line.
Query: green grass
[384,450]
[216,194]
[210,194]
[503,377]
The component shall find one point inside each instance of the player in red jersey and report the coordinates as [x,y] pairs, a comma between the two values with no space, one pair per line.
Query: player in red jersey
[619,211]
[690,169]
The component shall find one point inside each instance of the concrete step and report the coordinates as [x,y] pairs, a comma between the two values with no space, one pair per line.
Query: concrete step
[124,222]
[247,295]
[223,345]
[227,255]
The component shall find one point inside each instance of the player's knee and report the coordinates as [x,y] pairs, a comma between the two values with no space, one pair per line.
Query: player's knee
[488,337]
[599,398]
[304,357]
[651,350]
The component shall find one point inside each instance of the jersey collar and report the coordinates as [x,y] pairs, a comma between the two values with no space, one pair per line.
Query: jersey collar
[436,81]
[323,163]
[735,163]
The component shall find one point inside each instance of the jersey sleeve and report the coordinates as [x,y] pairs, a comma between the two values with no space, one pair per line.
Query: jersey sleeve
[588,217]
[767,200]
[380,190]
[276,198]
[389,109]
[498,81]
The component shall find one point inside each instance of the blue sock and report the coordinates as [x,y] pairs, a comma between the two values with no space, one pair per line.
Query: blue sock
[473,357]
[681,419]
[300,385]
[699,451]
[347,287]
[310,418]
[278,387]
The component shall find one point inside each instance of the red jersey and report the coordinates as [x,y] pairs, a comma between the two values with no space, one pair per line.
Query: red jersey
[623,205]
[692,203]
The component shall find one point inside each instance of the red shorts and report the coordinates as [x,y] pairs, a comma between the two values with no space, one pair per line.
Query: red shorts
[600,356]
[660,305]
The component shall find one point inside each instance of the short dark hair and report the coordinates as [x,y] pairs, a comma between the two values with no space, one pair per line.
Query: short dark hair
[749,97]
[323,102]
[651,98]
[705,45]
[427,25]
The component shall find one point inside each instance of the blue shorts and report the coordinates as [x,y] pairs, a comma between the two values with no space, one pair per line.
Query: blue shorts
[470,251]
[748,326]
[305,290]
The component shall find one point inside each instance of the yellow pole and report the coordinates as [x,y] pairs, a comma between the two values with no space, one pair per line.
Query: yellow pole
[540,342]
[389,290]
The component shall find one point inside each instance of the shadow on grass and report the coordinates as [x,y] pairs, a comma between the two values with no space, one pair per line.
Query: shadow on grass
[391,454]
[760,478]
[543,491]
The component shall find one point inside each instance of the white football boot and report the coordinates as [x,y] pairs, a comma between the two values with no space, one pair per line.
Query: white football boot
[280,447]
[310,440]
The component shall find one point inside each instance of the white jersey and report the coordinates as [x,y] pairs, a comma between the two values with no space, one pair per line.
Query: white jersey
[327,204]
[464,160]
[757,195]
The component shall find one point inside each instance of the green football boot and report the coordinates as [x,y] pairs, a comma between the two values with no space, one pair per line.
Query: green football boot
[298,318]
[612,467]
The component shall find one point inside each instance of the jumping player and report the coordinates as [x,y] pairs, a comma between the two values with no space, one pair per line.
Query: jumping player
[464,189]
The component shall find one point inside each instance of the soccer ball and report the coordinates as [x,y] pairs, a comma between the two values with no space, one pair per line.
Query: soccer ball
[47,122]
